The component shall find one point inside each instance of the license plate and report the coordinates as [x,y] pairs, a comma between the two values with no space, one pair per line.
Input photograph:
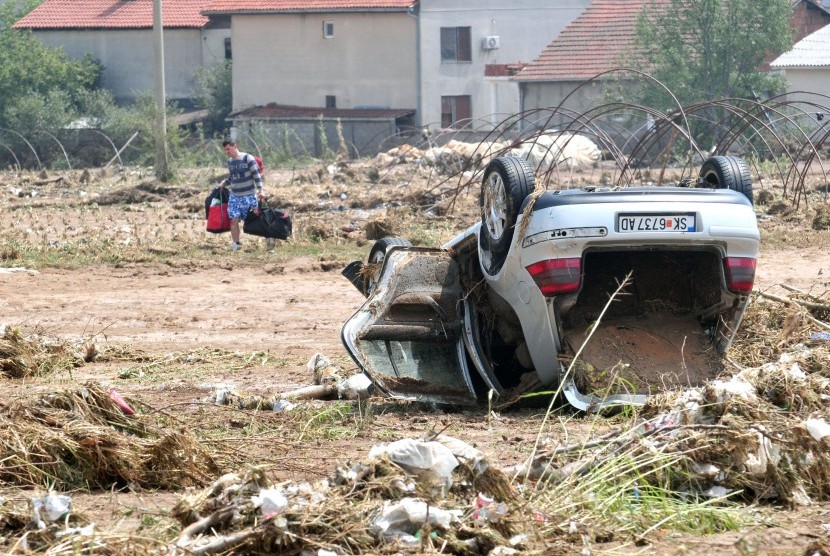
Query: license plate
[633,223]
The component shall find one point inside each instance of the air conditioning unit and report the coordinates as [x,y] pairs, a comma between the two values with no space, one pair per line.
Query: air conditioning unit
[490,43]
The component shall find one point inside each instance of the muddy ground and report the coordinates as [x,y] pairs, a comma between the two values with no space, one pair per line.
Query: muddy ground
[282,308]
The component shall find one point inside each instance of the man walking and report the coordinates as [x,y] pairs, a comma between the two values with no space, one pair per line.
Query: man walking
[245,187]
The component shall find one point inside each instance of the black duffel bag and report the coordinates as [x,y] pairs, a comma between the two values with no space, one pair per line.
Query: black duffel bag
[266,221]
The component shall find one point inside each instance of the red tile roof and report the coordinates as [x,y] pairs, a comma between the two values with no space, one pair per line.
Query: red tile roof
[113,14]
[282,111]
[590,44]
[273,6]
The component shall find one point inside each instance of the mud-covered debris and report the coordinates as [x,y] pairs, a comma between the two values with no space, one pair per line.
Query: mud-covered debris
[362,510]
[323,371]
[400,521]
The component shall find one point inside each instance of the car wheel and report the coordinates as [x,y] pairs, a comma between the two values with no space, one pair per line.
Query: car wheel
[376,257]
[727,172]
[507,182]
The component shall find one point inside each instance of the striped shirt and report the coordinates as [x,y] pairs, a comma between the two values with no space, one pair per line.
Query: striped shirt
[245,178]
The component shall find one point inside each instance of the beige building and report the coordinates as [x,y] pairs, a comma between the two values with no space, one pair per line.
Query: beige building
[380,67]
[806,67]
[324,59]
[120,35]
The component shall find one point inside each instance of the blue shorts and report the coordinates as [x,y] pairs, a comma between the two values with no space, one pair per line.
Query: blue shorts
[238,207]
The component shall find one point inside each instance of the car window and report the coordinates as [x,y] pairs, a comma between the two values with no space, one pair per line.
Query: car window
[408,335]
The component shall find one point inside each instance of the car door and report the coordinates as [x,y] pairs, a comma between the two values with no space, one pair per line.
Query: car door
[408,336]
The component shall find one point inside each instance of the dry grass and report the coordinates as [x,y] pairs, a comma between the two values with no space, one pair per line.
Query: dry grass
[32,354]
[82,439]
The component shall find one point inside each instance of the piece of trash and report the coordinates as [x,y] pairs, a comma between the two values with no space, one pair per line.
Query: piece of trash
[356,387]
[121,402]
[797,373]
[17,269]
[472,457]
[818,428]
[768,453]
[736,386]
[715,492]
[87,531]
[820,336]
[480,506]
[429,461]
[220,394]
[323,371]
[706,470]
[401,520]
[486,511]
[270,501]
[283,405]
[53,507]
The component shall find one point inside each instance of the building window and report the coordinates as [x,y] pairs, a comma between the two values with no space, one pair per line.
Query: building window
[456,112]
[331,101]
[328,29]
[228,49]
[456,45]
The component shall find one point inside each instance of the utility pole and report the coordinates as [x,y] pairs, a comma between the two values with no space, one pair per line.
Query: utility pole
[162,171]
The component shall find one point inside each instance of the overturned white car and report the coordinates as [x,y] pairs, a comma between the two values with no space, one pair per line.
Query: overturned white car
[607,295]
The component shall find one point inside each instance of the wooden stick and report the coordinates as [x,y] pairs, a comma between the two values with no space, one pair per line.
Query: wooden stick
[788,301]
[221,544]
[801,302]
[200,526]
[314,392]
[812,297]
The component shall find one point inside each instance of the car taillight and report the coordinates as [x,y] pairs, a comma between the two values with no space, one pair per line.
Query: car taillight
[556,276]
[740,274]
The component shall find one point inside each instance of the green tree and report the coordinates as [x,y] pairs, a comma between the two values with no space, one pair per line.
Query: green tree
[33,75]
[704,50]
[215,92]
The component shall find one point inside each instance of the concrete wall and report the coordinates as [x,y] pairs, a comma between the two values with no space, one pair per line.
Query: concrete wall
[524,28]
[369,62]
[128,57]
[548,95]
[812,80]
[312,137]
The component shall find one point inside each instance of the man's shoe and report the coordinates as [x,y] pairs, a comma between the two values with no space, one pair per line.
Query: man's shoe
[235,246]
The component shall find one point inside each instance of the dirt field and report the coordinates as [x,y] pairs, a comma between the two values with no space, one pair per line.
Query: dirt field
[281,308]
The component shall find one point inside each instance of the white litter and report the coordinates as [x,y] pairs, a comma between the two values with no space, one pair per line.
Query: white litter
[356,387]
[818,428]
[52,507]
[401,520]
[271,501]
[17,269]
[430,461]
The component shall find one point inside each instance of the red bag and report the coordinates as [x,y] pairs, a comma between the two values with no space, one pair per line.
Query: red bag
[217,220]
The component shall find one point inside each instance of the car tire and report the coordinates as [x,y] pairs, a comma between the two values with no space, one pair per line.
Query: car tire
[727,172]
[376,257]
[508,180]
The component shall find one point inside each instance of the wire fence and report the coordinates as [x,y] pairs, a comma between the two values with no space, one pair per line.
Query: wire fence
[787,135]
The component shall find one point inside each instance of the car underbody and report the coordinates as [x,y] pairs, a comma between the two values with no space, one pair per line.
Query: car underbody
[604,297]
